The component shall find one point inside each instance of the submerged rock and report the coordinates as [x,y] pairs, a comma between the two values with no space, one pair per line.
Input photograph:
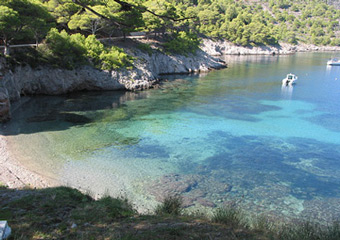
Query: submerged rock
[4,105]
[195,189]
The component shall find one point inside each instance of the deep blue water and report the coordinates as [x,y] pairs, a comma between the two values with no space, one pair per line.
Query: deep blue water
[233,135]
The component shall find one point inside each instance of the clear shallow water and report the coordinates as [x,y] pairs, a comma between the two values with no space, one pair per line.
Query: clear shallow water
[229,135]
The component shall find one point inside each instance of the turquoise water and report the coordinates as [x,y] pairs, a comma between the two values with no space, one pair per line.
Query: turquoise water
[233,135]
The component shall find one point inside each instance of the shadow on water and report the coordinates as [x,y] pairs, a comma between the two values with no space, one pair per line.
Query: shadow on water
[55,113]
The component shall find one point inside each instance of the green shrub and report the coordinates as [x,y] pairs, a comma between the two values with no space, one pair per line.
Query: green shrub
[301,231]
[70,51]
[182,43]
[64,50]
[308,231]
[145,48]
[290,37]
[229,215]
[262,223]
[335,42]
[106,58]
[115,58]
[171,205]
[94,48]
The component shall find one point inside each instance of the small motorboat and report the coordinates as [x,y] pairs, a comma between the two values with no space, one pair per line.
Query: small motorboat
[290,79]
[334,62]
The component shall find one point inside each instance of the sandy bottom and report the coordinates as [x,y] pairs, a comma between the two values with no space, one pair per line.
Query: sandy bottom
[14,174]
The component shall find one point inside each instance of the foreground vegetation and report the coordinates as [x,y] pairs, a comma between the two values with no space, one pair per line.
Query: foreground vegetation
[65,213]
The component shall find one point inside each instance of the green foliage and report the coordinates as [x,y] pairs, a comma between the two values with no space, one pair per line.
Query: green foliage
[70,51]
[94,47]
[115,58]
[250,24]
[64,50]
[290,37]
[335,42]
[241,22]
[9,22]
[161,8]
[106,58]
[309,231]
[171,205]
[182,43]
[88,21]
[103,210]
[262,223]
[229,215]
[29,19]
[51,200]
[62,10]
[145,48]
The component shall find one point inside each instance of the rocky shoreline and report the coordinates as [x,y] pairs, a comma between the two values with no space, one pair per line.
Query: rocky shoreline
[220,48]
[25,80]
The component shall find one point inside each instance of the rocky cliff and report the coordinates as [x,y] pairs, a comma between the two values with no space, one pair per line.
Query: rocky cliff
[25,80]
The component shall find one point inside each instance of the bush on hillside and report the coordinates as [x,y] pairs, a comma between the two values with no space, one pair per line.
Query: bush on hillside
[171,205]
[182,43]
[63,50]
[70,51]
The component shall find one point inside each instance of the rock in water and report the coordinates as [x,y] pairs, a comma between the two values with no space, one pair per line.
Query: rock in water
[5,230]
[4,105]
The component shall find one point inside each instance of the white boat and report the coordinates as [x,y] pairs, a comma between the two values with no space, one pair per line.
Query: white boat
[334,62]
[290,79]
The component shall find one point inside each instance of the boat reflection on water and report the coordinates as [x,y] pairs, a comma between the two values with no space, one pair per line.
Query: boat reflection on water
[332,73]
[287,91]
[328,68]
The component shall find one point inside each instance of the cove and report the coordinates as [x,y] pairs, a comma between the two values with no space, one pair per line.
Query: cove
[233,135]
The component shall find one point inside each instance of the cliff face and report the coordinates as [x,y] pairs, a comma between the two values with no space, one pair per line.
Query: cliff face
[24,80]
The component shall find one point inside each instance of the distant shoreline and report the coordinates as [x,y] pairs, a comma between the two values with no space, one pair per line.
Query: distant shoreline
[221,47]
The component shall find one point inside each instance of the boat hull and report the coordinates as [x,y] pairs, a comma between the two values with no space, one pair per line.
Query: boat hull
[334,64]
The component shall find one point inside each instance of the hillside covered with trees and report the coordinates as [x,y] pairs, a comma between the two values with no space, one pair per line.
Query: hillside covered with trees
[69,29]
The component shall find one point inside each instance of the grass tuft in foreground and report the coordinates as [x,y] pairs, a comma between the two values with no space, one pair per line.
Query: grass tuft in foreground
[309,231]
[229,215]
[171,205]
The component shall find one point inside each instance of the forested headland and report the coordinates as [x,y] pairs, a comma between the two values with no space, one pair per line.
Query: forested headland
[67,31]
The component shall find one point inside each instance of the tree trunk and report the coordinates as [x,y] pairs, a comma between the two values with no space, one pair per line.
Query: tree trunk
[7,49]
